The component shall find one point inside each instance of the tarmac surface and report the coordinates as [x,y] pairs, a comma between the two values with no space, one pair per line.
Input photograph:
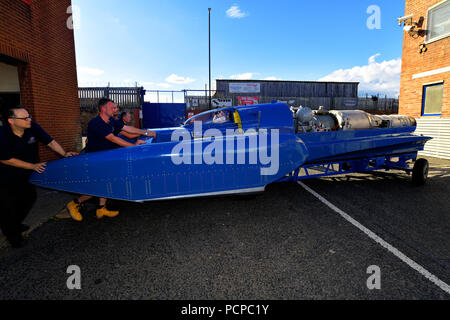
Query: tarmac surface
[281,244]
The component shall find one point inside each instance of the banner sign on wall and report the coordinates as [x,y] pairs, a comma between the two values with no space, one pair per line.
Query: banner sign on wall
[191,113]
[350,103]
[247,101]
[245,87]
[228,102]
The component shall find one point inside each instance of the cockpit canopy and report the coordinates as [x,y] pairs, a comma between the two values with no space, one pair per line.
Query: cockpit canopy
[262,116]
[213,116]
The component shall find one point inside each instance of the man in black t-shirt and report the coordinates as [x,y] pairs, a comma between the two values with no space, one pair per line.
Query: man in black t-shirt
[100,138]
[19,137]
[118,122]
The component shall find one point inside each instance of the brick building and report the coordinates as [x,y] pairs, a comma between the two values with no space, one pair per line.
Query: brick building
[425,78]
[38,68]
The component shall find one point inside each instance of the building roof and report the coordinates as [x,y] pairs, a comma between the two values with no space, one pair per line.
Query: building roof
[289,81]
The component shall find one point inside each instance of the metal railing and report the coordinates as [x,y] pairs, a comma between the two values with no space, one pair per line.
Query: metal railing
[125,97]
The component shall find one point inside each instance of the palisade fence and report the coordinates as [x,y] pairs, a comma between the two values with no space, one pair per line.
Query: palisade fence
[372,104]
[127,99]
[379,104]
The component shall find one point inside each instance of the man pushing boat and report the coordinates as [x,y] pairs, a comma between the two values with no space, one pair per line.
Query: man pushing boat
[100,138]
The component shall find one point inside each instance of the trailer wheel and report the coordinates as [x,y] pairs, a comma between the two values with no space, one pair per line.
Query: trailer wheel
[420,172]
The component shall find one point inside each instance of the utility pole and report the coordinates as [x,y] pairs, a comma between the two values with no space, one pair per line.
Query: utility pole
[209,35]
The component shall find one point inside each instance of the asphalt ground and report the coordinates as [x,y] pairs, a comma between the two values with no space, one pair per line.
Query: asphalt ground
[282,244]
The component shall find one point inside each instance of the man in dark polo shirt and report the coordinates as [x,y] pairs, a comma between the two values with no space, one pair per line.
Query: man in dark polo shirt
[100,138]
[117,122]
[19,137]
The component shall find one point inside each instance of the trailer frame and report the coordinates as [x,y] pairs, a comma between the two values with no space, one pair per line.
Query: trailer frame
[359,165]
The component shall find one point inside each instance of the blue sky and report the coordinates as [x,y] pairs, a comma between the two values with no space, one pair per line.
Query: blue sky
[164,44]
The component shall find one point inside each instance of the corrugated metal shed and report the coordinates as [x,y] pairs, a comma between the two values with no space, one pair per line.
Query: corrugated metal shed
[439,129]
[279,88]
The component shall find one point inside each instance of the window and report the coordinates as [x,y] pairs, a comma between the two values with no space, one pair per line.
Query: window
[9,85]
[438,24]
[9,78]
[221,116]
[432,99]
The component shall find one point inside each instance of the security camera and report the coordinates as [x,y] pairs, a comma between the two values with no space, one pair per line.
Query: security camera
[403,19]
[409,28]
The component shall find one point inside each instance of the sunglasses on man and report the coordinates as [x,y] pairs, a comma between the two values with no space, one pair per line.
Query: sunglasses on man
[26,118]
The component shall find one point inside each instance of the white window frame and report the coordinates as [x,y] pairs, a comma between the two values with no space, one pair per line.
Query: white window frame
[424,86]
[427,38]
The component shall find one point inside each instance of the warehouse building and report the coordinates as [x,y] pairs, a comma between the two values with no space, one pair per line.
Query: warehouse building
[38,68]
[425,78]
[332,95]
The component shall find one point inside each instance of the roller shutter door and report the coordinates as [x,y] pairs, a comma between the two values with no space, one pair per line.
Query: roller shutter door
[439,129]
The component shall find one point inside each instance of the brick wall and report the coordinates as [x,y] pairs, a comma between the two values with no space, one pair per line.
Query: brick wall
[437,56]
[37,35]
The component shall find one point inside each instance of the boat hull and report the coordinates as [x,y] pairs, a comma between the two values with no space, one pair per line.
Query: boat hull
[151,172]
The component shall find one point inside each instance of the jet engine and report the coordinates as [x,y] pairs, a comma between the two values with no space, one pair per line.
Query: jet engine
[322,120]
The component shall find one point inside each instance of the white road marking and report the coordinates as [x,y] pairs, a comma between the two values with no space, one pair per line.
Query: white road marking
[441,284]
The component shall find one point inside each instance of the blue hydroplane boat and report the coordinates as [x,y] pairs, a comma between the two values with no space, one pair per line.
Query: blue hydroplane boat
[238,150]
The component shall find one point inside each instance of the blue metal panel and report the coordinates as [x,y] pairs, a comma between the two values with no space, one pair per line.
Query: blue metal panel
[163,115]
[351,143]
[269,116]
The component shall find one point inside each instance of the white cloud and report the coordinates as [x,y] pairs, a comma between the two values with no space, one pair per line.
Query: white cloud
[147,83]
[375,77]
[243,76]
[150,84]
[164,85]
[113,20]
[235,12]
[92,83]
[271,78]
[173,78]
[90,71]
[372,58]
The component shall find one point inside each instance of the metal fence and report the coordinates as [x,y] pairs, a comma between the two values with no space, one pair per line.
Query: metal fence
[380,105]
[125,97]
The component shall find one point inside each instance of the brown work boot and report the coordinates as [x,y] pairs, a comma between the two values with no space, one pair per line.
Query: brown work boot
[74,210]
[101,212]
